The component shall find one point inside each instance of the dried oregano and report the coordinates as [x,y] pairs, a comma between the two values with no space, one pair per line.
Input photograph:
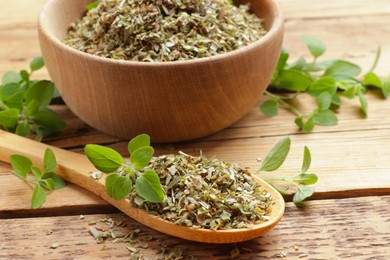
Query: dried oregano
[164,30]
[206,193]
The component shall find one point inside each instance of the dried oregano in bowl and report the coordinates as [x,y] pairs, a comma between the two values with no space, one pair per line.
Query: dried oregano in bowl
[164,30]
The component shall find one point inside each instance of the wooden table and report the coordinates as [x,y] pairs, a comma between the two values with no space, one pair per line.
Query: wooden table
[349,215]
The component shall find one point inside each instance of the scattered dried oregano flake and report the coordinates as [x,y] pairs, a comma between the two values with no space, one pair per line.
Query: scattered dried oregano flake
[164,30]
[54,246]
[206,193]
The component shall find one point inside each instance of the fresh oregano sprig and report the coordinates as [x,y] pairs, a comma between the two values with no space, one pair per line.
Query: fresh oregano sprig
[43,180]
[301,183]
[24,103]
[123,173]
[324,80]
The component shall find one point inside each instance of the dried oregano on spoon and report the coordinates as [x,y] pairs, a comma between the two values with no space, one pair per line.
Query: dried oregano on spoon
[163,30]
[206,193]
[195,191]
[186,190]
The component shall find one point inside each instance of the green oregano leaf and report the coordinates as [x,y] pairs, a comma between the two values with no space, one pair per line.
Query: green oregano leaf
[321,85]
[292,80]
[269,107]
[315,46]
[281,64]
[276,156]
[41,91]
[324,100]
[148,186]
[117,186]
[59,183]
[306,178]
[298,65]
[325,118]
[38,197]
[303,193]
[15,100]
[36,171]
[350,92]
[138,142]
[25,75]
[7,90]
[306,159]
[371,79]
[49,180]
[37,63]
[299,121]
[342,70]
[308,125]
[32,107]
[9,118]
[103,158]
[21,165]
[336,101]
[11,77]
[49,161]
[23,129]
[386,87]
[363,103]
[141,157]
[49,121]
[47,183]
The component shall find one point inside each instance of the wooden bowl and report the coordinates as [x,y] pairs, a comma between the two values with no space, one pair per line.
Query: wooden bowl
[170,101]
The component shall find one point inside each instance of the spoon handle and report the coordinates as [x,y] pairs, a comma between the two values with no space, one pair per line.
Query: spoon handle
[72,167]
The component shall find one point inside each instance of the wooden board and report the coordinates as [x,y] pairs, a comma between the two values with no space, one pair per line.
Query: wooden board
[327,229]
[351,159]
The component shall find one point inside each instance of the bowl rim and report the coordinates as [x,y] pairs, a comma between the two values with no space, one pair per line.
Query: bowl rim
[276,26]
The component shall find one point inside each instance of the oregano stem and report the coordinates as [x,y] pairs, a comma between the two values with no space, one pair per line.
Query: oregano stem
[378,54]
[283,179]
[284,103]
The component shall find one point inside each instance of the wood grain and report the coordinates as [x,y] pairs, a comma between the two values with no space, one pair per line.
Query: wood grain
[304,9]
[351,159]
[357,228]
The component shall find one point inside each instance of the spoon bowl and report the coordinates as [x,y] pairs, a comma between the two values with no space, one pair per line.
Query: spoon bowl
[75,168]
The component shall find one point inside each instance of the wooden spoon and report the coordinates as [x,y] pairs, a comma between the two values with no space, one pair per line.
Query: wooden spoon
[75,168]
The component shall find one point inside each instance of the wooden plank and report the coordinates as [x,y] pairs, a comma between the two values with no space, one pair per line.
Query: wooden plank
[18,29]
[344,38]
[304,9]
[357,228]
